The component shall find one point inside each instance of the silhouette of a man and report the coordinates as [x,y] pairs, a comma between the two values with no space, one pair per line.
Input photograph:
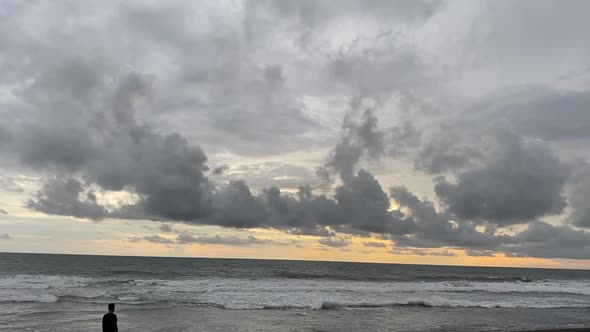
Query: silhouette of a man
[109,320]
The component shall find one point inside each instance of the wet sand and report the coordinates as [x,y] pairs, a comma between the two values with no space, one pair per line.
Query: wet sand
[560,330]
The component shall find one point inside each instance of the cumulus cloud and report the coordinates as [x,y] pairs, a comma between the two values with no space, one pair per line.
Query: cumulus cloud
[357,140]
[435,229]
[544,240]
[518,181]
[66,197]
[115,119]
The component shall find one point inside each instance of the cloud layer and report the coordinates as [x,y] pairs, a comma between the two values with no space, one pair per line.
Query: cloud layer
[324,125]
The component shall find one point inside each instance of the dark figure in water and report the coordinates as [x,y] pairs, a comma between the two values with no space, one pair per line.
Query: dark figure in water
[109,321]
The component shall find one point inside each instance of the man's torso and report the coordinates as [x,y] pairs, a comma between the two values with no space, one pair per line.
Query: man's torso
[109,322]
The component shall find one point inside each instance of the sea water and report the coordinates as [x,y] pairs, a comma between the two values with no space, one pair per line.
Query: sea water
[70,293]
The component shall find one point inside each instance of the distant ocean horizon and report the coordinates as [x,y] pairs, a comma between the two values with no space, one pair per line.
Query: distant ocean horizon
[59,292]
[297,260]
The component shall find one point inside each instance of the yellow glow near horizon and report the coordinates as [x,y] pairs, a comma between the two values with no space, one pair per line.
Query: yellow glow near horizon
[32,232]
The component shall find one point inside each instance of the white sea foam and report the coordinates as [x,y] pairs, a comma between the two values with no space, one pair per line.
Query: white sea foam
[295,293]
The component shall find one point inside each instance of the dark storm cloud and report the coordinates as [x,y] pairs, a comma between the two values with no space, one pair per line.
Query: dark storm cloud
[544,240]
[103,141]
[435,229]
[168,175]
[167,172]
[236,206]
[358,206]
[518,181]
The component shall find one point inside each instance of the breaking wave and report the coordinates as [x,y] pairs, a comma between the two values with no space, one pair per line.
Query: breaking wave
[296,293]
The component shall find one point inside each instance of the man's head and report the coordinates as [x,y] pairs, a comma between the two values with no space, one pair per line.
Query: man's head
[111,307]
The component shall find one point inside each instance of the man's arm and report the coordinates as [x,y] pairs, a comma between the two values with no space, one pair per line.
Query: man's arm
[116,327]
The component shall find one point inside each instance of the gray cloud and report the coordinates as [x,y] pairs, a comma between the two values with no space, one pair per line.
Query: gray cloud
[544,240]
[227,240]
[374,244]
[2,211]
[532,111]
[9,185]
[135,239]
[66,197]
[437,229]
[578,197]
[335,242]
[135,105]
[518,181]
[420,252]
[107,146]
[165,228]
[220,169]
[5,236]
[479,253]
[157,239]
[445,152]
[357,140]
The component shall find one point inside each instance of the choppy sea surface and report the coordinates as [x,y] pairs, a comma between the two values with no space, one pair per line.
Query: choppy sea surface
[70,293]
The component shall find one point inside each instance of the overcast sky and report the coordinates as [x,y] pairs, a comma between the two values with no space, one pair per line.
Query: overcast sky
[391,131]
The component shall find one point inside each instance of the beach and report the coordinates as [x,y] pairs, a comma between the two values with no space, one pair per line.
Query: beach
[70,293]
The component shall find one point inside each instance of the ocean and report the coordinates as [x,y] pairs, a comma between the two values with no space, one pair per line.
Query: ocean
[40,292]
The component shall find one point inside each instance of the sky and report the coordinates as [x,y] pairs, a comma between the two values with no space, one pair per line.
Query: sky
[431,132]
